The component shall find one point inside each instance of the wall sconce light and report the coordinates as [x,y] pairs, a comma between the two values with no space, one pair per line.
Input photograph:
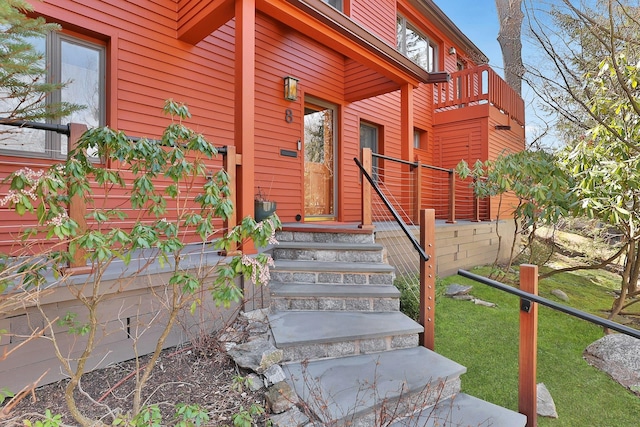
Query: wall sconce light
[452,50]
[290,88]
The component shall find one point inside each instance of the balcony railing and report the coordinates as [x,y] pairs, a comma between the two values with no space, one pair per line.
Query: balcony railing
[478,86]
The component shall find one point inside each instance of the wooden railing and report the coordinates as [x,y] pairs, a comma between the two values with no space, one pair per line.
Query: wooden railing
[476,86]
[77,208]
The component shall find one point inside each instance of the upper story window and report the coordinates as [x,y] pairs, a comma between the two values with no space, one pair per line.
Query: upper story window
[337,4]
[81,64]
[416,46]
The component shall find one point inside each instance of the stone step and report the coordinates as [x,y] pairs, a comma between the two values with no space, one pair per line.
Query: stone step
[337,252]
[326,235]
[463,410]
[357,273]
[306,335]
[308,296]
[365,390]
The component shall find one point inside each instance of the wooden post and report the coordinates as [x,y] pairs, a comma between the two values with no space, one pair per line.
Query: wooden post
[230,162]
[417,193]
[77,209]
[452,197]
[428,278]
[527,391]
[366,200]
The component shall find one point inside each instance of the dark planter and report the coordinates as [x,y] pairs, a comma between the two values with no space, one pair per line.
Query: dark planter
[264,210]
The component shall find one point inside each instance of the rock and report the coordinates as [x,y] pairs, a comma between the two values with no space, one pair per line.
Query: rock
[619,356]
[280,397]
[478,301]
[274,374]
[464,297]
[255,381]
[560,295]
[259,315]
[546,405]
[256,328]
[291,418]
[455,289]
[256,355]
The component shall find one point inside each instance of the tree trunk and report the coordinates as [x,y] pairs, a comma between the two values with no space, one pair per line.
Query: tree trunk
[510,38]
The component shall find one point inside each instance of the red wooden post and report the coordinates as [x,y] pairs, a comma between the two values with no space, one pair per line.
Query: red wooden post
[452,197]
[527,392]
[417,192]
[230,163]
[428,278]
[366,200]
[77,209]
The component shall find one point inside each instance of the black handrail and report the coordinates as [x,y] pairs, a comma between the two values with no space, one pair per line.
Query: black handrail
[412,164]
[393,211]
[553,305]
[61,129]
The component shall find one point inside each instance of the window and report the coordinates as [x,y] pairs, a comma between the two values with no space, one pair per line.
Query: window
[420,139]
[337,4]
[369,139]
[416,46]
[82,65]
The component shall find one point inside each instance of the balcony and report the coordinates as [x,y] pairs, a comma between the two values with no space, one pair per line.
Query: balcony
[479,86]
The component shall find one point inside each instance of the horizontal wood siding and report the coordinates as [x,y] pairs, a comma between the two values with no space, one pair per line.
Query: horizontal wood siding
[281,52]
[378,17]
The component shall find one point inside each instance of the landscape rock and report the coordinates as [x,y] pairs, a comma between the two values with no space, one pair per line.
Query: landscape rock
[560,295]
[259,315]
[280,397]
[478,301]
[255,381]
[291,418]
[619,356]
[274,374]
[257,355]
[456,289]
[464,297]
[546,405]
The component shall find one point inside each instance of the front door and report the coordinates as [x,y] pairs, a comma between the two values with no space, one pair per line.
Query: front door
[319,160]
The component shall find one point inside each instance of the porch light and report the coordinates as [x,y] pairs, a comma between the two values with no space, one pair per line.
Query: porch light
[290,88]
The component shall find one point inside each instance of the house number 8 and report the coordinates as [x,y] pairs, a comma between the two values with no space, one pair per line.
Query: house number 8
[288,115]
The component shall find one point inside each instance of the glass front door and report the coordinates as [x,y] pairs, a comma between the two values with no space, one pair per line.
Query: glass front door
[319,161]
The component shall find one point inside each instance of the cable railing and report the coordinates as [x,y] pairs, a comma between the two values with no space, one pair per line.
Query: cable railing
[414,263]
[413,186]
[528,349]
[14,225]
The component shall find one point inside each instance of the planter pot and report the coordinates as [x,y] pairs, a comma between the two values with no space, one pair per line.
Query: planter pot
[263,210]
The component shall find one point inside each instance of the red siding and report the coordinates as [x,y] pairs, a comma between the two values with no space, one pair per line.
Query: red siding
[379,18]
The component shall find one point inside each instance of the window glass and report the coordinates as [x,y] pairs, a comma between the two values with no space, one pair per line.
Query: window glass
[82,66]
[369,139]
[416,46]
[337,4]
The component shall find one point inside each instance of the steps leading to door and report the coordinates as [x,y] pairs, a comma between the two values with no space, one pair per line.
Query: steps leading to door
[349,353]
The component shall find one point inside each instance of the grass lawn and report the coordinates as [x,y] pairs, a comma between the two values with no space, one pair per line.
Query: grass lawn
[485,340]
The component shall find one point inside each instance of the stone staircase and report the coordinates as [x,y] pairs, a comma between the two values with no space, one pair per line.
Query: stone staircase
[349,353]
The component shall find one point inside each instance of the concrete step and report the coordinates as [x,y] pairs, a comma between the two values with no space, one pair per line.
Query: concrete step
[309,296]
[306,335]
[463,410]
[358,273]
[368,389]
[337,252]
[324,235]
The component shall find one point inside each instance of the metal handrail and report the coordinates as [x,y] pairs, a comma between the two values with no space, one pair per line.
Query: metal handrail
[393,211]
[61,129]
[407,162]
[553,305]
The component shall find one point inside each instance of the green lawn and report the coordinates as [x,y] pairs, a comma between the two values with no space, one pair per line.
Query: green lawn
[485,340]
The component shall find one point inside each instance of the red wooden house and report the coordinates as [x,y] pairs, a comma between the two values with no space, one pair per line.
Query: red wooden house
[394,75]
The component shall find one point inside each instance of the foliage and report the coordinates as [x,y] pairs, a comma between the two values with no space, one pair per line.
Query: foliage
[50,420]
[172,198]
[22,75]
[409,287]
[534,178]
[244,417]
